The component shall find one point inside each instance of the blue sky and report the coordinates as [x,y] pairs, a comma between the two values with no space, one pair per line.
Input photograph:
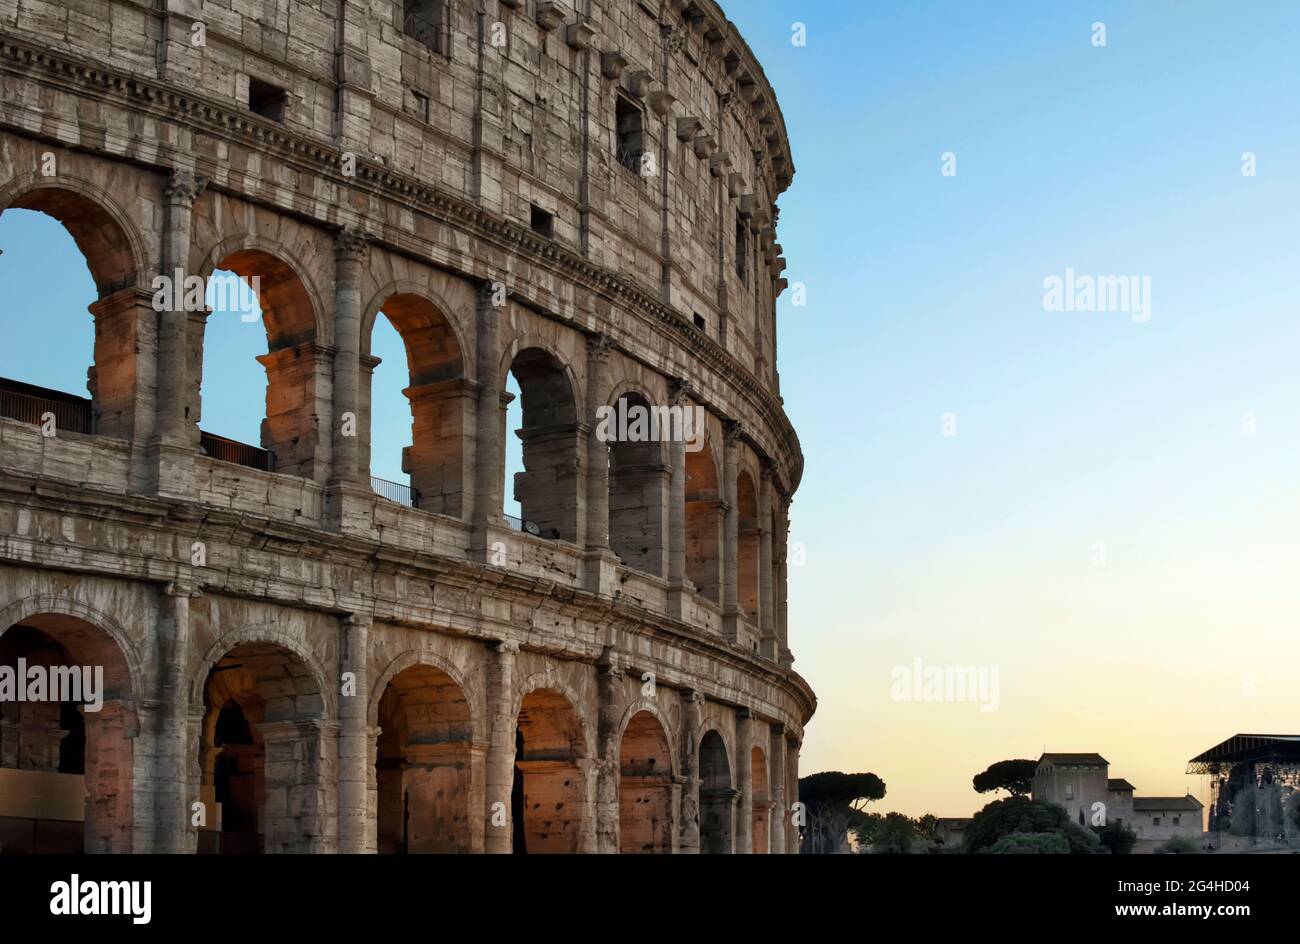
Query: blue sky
[1075,430]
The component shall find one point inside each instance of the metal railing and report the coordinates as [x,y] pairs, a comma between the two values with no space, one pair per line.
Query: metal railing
[231,450]
[395,492]
[29,404]
[530,527]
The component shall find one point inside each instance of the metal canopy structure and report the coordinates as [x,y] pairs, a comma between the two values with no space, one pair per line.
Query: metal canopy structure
[1246,749]
[1254,787]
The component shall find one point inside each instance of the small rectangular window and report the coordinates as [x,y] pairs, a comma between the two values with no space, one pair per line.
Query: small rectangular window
[629,124]
[742,251]
[1155,821]
[699,322]
[266,99]
[1175,820]
[1069,791]
[426,22]
[543,223]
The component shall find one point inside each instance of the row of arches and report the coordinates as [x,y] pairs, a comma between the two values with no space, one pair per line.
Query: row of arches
[263,743]
[424,412]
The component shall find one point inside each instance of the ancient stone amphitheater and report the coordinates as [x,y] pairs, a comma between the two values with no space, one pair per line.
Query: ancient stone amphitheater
[299,657]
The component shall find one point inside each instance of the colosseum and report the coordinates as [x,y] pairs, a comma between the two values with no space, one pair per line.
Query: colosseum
[298,656]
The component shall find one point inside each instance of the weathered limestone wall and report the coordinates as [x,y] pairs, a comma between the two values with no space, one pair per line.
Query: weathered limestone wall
[348,673]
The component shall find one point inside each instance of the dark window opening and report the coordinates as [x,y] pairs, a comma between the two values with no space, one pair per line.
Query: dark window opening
[742,251]
[266,99]
[425,21]
[631,136]
[699,322]
[543,223]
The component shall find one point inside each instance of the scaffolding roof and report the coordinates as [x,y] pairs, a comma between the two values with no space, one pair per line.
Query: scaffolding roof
[1247,748]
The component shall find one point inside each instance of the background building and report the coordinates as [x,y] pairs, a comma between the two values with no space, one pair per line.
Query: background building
[1078,781]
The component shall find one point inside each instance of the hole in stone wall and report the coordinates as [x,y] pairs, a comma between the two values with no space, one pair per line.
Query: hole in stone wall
[629,124]
[543,223]
[266,99]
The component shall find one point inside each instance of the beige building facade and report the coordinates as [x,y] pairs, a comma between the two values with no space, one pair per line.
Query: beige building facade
[300,658]
[1081,784]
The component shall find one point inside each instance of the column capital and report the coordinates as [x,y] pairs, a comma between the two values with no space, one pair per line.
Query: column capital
[181,588]
[679,389]
[488,291]
[505,647]
[732,432]
[183,187]
[351,243]
[599,346]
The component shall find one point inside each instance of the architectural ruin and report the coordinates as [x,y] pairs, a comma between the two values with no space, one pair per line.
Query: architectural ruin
[297,657]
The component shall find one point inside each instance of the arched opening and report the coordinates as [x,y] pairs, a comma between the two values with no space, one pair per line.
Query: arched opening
[747,549]
[66,727]
[292,436]
[547,488]
[717,796]
[638,484]
[762,801]
[262,784]
[427,437]
[645,791]
[550,789]
[704,522]
[43,232]
[423,769]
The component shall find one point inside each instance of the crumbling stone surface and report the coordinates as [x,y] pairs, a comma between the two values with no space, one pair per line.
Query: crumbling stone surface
[293,662]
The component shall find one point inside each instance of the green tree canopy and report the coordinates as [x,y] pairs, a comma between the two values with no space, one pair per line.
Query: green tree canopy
[1014,776]
[895,834]
[1116,837]
[834,804]
[840,789]
[1021,815]
[1031,844]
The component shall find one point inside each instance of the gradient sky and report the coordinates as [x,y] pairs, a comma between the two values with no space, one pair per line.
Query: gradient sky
[1074,429]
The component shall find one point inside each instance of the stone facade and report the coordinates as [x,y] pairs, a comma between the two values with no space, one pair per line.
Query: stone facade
[1081,783]
[583,198]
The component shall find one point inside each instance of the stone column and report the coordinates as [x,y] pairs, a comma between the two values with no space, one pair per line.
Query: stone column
[478,754]
[692,718]
[500,766]
[609,678]
[111,733]
[730,532]
[679,587]
[355,832]
[766,602]
[776,778]
[172,799]
[744,782]
[349,254]
[294,813]
[179,194]
[489,526]
[599,562]
[792,793]
[782,552]
[167,465]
